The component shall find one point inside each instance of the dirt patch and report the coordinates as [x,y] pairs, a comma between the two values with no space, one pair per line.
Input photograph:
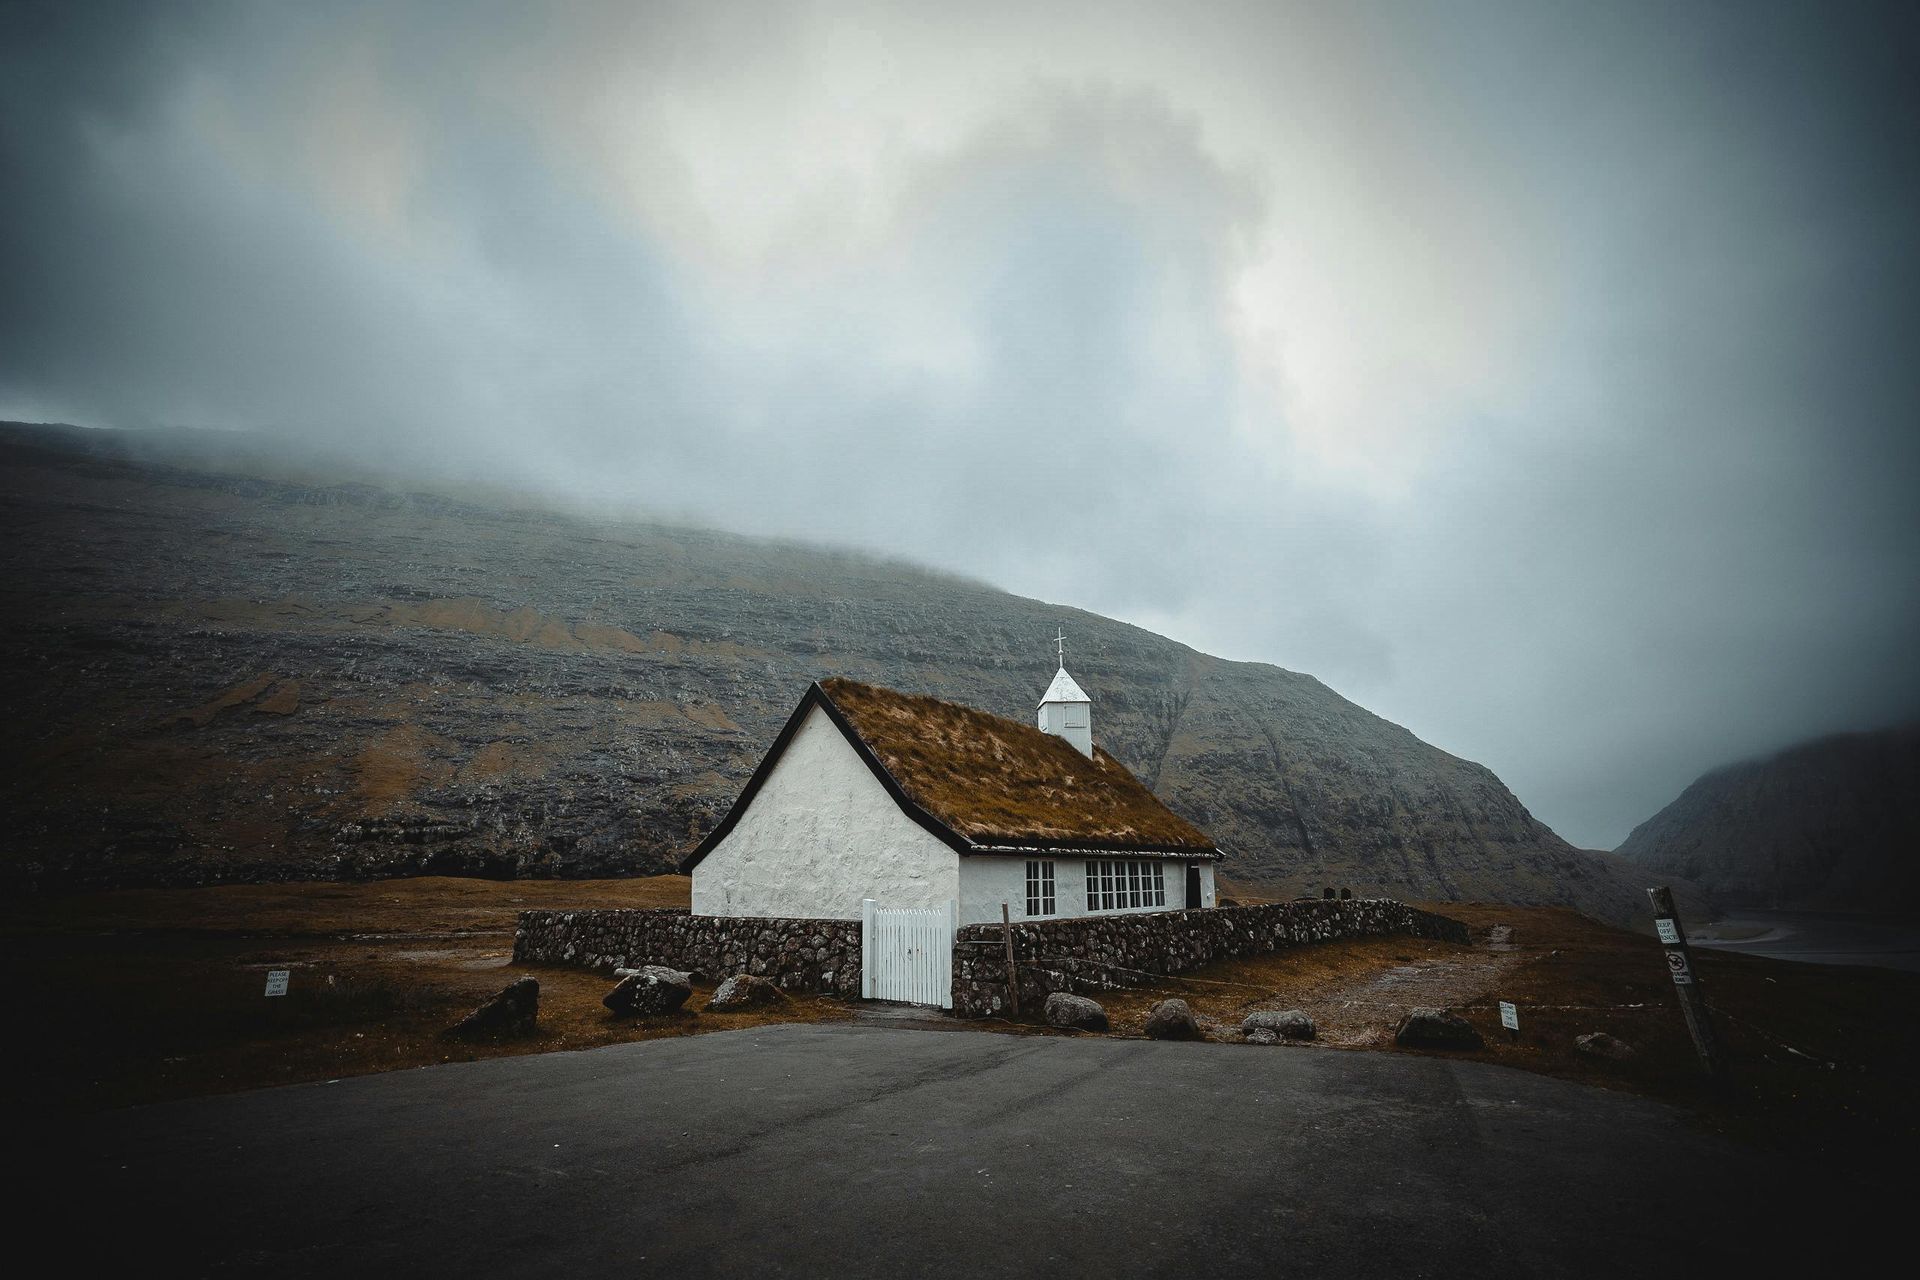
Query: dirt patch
[1356,990]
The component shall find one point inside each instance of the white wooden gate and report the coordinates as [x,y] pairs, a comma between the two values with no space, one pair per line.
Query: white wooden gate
[906,953]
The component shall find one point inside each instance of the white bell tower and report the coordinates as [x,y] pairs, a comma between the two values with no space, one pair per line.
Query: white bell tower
[1065,710]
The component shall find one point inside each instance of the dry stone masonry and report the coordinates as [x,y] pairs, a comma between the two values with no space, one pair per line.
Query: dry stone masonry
[1096,953]
[799,955]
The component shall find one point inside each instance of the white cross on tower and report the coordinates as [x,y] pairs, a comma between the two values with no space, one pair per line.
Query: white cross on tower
[1060,643]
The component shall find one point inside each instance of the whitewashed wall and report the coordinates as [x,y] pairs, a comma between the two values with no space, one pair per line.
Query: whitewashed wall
[820,835]
[986,881]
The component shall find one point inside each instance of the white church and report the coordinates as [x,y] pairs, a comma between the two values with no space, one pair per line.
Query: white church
[870,795]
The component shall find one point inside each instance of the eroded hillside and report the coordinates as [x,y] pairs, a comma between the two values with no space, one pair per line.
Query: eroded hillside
[213,675]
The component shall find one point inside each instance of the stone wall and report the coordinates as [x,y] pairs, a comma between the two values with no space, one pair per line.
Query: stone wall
[1091,953]
[1097,953]
[800,955]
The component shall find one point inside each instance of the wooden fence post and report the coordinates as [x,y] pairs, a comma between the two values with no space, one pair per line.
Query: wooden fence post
[1686,984]
[1013,974]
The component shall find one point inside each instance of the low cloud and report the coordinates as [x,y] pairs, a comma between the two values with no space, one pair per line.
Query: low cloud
[1541,380]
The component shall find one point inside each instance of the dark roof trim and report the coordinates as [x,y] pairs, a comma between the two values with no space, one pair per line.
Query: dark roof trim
[817,697]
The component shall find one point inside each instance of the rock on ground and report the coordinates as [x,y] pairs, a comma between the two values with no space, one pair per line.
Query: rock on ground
[510,1014]
[650,989]
[744,991]
[1598,1044]
[1075,1012]
[1288,1024]
[1437,1029]
[1263,1035]
[1172,1020]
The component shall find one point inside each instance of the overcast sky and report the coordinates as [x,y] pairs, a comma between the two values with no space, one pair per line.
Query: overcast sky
[1543,377]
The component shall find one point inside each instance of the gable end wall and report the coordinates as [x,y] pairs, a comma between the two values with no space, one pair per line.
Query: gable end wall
[820,835]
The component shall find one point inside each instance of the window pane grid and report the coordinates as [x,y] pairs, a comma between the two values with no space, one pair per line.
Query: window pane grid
[1124,885]
[1040,896]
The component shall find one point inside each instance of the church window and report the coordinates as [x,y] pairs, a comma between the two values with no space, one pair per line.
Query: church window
[1040,899]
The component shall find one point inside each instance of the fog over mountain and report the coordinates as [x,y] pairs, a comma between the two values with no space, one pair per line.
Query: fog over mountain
[1539,377]
[219,673]
[1828,824]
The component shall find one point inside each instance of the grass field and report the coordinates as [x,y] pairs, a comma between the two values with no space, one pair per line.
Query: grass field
[142,995]
[137,996]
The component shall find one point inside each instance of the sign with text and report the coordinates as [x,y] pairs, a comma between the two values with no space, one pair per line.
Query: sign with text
[1509,1015]
[1677,966]
[277,982]
[1669,931]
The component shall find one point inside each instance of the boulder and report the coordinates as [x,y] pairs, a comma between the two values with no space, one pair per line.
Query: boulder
[1263,1035]
[744,991]
[1172,1020]
[1436,1029]
[650,989]
[1598,1044]
[509,1015]
[1288,1024]
[1077,1013]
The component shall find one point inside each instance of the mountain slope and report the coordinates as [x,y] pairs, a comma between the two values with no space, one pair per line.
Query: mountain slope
[1833,823]
[217,675]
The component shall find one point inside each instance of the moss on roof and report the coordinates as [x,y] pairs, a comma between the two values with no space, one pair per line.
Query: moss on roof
[995,780]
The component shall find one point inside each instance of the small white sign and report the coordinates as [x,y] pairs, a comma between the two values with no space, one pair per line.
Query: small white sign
[277,982]
[1669,931]
[1509,1015]
[1677,966]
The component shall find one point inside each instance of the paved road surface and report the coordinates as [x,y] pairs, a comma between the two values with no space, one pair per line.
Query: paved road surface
[856,1151]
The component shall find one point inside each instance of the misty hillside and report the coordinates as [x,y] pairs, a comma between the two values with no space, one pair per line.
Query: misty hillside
[213,675]
[1833,823]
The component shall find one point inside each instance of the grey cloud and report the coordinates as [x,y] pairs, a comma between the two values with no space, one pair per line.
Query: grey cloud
[1678,529]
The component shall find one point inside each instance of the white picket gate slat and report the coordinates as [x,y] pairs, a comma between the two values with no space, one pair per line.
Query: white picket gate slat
[906,953]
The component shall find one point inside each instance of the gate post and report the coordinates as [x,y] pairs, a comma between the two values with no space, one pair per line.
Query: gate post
[866,948]
[953,950]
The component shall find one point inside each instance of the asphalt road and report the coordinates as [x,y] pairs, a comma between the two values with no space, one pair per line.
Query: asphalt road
[856,1151]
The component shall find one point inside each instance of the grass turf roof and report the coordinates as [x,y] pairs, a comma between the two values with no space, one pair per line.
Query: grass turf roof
[995,780]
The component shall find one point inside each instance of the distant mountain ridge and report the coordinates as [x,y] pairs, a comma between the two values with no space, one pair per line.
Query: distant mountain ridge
[1833,823]
[215,674]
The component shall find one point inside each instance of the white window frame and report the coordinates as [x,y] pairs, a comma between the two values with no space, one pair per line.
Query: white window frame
[1041,897]
[1125,884]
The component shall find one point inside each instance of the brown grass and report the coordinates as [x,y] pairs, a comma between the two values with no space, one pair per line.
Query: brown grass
[990,778]
[402,760]
[141,995]
[426,906]
[1570,975]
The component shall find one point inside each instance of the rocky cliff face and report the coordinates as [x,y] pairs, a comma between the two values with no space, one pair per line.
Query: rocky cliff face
[215,675]
[1833,823]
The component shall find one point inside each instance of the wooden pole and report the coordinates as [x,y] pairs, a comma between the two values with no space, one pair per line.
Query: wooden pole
[1013,975]
[1686,984]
